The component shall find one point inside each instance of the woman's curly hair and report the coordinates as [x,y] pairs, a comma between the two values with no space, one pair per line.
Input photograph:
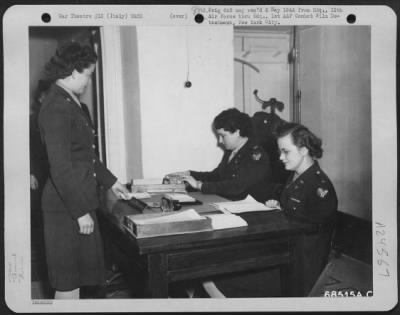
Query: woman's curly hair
[302,137]
[69,57]
[231,120]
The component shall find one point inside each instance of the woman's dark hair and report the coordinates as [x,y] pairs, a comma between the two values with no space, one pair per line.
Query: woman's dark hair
[39,93]
[302,137]
[231,120]
[69,57]
[42,87]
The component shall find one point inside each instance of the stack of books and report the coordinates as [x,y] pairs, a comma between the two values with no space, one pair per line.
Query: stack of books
[159,188]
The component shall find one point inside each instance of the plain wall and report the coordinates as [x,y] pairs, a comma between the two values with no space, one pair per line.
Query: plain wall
[176,122]
[132,108]
[165,126]
[336,105]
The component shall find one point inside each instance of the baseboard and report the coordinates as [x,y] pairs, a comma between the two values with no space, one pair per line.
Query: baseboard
[354,237]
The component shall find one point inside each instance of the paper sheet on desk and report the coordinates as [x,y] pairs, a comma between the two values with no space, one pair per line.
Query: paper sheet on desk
[226,221]
[246,205]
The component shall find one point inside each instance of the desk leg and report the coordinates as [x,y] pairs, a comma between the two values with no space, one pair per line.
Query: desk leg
[157,285]
[292,274]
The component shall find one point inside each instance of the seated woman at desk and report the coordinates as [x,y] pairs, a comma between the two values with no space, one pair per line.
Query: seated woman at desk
[308,193]
[244,168]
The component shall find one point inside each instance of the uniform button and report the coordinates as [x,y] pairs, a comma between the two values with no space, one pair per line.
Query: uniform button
[94,160]
[93,146]
[94,174]
[233,175]
[93,131]
[294,208]
[318,172]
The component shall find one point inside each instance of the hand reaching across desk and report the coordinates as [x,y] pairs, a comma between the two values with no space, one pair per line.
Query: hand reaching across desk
[272,204]
[120,191]
[190,180]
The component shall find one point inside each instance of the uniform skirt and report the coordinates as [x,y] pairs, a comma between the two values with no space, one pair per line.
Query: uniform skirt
[73,259]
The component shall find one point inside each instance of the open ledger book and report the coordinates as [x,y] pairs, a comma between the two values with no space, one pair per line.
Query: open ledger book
[179,222]
[246,205]
[154,185]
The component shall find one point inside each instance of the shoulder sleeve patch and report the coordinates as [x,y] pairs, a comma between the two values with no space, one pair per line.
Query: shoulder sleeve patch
[322,192]
[256,156]
[256,153]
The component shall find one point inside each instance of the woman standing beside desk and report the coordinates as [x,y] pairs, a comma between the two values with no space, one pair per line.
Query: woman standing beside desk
[73,243]
[244,168]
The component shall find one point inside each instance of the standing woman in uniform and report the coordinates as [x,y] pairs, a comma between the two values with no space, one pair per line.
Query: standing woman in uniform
[308,194]
[74,249]
[244,168]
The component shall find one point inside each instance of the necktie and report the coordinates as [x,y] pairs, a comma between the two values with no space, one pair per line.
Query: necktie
[233,153]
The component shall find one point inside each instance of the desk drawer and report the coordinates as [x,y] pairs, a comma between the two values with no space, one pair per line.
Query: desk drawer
[229,258]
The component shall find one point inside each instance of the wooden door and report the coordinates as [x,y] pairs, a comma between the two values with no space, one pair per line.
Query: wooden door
[262,64]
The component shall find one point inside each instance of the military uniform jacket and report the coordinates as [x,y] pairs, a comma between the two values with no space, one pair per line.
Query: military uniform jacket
[245,174]
[75,169]
[311,196]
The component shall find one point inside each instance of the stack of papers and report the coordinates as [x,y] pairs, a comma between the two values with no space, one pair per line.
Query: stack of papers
[226,221]
[246,205]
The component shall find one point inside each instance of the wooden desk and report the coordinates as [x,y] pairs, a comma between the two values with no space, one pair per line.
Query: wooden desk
[270,239]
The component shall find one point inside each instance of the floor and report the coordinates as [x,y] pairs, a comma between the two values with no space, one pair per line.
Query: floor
[343,274]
